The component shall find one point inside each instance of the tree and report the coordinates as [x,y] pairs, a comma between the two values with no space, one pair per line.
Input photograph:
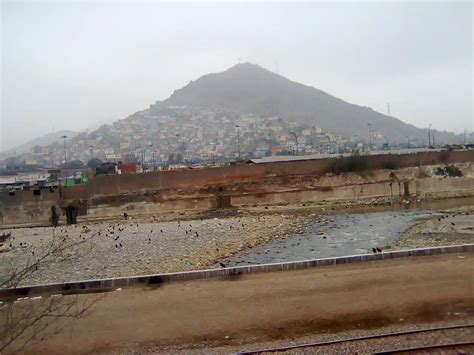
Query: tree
[14,163]
[94,163]
[171,159]
[129,158]
[73,165]
[29,321]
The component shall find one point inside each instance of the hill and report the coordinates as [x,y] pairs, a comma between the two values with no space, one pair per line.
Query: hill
[249,88]
[44,140]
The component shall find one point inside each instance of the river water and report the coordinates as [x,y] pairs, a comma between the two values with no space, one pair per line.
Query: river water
[342,234]
[334,235]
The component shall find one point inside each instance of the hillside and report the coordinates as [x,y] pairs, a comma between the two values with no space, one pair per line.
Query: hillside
[249,88]
[43,140]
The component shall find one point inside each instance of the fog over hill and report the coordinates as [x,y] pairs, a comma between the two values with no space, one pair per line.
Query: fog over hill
[249,88]
[202,117]
[43,140]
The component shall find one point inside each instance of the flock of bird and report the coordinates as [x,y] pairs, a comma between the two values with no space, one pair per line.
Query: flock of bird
[115,231]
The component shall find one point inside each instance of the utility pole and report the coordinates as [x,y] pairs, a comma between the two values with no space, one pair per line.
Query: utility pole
[370,135]
[144,155]
[388,109]
[238,141]
[65,159]
[432,137]
[91,151]
[429,136]
[296,140]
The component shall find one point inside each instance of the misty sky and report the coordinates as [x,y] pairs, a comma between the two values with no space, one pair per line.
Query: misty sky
[78,65]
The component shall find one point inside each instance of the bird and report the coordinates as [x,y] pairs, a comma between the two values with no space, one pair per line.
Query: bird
[452,223]
[120,245]
[379,250]
[161,230]
[221,264]
[217,249]
[197,235]
[374,250]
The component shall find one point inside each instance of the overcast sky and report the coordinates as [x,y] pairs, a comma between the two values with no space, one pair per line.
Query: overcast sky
[77,65]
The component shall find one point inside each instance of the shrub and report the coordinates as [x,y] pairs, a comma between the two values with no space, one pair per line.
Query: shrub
[453,171]
[448,170]
[439,171]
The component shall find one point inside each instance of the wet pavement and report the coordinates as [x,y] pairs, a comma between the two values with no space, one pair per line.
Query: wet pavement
[335,235]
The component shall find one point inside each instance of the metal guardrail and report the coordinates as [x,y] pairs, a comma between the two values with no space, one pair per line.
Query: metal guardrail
[105,285]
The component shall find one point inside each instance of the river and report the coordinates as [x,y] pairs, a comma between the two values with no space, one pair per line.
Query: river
[344,234]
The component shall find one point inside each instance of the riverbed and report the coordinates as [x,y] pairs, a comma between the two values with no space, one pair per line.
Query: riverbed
[336,235]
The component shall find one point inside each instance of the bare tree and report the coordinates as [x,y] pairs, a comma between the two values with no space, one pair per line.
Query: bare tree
[24,322]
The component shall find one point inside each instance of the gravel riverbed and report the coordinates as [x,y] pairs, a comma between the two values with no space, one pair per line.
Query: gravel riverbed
[136,246]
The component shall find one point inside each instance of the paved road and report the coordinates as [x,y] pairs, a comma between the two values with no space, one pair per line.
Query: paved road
[260,307]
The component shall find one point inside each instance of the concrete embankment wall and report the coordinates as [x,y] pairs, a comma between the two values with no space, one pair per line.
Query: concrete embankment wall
[28,206]
[439,187]
[105,285]
[143,193]
[118,184]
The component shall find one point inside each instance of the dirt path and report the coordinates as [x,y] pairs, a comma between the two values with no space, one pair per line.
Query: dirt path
[253,308]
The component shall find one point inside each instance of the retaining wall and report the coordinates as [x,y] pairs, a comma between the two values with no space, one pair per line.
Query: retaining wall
[116,184]
[26,206]
[105,285]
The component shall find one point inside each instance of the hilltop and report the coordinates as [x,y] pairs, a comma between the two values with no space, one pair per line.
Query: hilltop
[199,122]
[249,88]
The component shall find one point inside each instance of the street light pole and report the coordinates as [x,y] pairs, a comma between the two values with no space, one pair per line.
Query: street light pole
[65,159]
[238,141]
[370,135]
[296,140]
[429,136]
[144,156]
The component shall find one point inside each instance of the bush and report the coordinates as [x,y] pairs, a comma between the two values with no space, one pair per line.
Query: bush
[453,171]
[439,171]
[448,170]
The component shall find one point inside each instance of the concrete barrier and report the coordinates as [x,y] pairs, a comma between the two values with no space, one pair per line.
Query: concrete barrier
[105,285]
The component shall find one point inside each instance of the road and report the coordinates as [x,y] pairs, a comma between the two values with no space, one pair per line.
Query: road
[248,309]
